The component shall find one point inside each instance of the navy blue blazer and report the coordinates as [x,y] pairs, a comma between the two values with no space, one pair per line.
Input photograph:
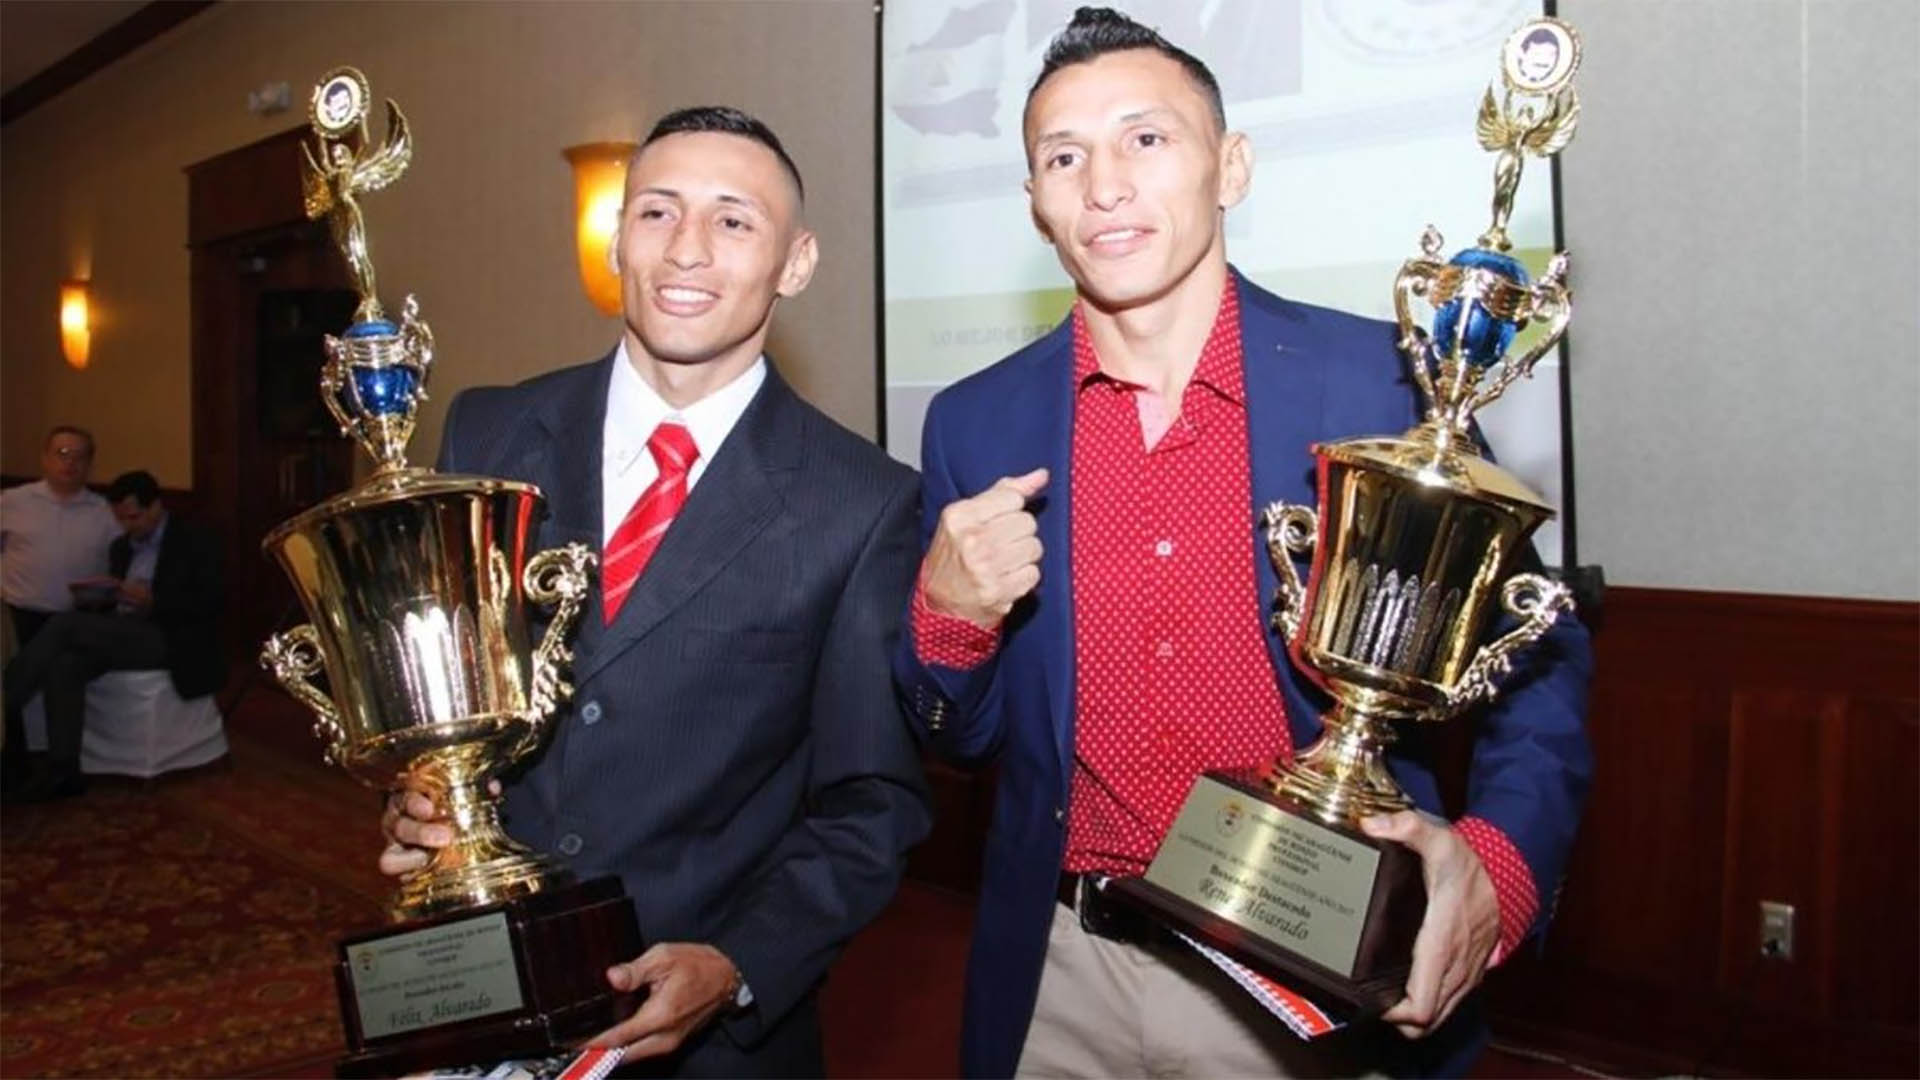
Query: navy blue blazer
[734,750]
[1312,374]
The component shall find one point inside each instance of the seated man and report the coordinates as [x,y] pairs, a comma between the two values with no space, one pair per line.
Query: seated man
[162,609]
[53,531]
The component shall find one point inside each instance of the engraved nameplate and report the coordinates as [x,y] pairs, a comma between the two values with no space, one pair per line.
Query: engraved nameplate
[1291,881]
[438,975]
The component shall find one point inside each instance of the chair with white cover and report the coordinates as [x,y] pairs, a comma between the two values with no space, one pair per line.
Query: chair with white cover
[136,725]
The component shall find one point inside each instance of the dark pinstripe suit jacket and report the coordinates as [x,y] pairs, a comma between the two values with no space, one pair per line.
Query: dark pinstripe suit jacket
[734,750]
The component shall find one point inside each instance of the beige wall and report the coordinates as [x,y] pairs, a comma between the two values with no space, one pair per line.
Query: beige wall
[480,227]
[1742,209]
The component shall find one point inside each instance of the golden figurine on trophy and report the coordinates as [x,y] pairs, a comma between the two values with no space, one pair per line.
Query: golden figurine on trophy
[1413,544]
[419,591]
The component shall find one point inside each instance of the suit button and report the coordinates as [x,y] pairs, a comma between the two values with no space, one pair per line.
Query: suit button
[1059,814]
[570,844]
[590,713]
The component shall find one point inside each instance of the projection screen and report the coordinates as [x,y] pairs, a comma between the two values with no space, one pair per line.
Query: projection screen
[1361,118]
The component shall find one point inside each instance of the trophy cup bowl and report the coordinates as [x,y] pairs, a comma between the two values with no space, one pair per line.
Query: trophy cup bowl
[417,592]
[1413,549]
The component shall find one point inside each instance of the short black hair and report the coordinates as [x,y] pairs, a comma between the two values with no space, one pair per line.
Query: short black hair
[1540,36]
[139,483]
[69,429]
[1097,31]
[728,121]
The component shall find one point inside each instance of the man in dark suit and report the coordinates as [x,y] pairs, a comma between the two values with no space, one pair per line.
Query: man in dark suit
[734,749]
[1092,611]
[160,608]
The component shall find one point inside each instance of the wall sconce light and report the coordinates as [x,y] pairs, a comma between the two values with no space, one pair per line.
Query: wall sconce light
[599,180]
[75,323]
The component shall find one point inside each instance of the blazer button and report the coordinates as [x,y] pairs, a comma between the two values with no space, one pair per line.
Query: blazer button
[590,713]
[1059,814]
[570,844]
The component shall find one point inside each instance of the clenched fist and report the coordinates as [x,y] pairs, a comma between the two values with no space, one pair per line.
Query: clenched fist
[986,552]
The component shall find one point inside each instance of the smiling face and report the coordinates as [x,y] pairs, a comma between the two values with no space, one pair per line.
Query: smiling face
[710,240]
[1129,176]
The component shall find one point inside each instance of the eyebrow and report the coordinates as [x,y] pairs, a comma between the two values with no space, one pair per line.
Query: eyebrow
[747,201]
[1130,118]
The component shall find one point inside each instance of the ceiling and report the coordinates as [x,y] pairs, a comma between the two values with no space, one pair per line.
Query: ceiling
[34,34]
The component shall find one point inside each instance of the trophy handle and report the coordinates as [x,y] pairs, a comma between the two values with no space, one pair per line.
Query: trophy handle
[1415,279]
[333,379]
[1548,299]
[557,576]
[1536,601]
[1291,530]
[292,657]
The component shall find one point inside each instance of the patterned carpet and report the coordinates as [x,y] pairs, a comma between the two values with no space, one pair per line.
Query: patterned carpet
[184,927]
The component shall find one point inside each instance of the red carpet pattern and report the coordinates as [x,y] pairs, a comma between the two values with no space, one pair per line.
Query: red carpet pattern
[185,927]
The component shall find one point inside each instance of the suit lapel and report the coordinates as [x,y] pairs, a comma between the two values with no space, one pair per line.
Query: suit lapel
[1049,432]
[1286,386]
[567,469]
[734,500]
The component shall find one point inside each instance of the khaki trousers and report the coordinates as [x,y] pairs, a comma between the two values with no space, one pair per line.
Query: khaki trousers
[1110,1009]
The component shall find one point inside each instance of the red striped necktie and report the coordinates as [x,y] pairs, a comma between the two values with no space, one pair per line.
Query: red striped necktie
[640,531]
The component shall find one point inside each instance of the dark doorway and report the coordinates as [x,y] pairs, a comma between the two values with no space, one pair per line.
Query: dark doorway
[267,286]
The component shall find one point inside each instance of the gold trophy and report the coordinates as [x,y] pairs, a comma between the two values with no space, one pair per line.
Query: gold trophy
[1413,543]
[418,589]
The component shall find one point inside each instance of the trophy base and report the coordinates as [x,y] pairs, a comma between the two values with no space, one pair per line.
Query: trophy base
[1324,909]
[523,978]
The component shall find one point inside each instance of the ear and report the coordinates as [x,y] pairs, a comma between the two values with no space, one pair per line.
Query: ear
[803,254]
[1236,169]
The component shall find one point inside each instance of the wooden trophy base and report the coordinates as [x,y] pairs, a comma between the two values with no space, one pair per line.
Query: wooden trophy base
[1325,910]
[524,978]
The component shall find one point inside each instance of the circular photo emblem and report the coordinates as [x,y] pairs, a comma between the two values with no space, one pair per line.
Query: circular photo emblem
[1540,57]
[1229,819]
[339,102]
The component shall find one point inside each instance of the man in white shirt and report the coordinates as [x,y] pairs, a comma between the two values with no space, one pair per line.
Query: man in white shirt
[53,532]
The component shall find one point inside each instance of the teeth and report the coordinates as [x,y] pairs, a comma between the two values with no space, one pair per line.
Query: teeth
[1115,236]
[688,296]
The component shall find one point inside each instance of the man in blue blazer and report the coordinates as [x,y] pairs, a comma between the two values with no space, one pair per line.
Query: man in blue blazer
[1103,675]
[734,749]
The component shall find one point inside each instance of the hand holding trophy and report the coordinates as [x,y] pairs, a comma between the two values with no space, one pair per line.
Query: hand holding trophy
[1411,548]
[418,589]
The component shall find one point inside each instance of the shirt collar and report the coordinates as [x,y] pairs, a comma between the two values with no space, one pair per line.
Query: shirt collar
[1220,368]
[153,538]
[634,409]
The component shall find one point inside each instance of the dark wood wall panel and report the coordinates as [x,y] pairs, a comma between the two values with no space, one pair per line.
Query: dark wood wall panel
[1749,748]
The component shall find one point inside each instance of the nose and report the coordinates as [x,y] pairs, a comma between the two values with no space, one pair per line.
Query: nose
[688,247]
[1108,185]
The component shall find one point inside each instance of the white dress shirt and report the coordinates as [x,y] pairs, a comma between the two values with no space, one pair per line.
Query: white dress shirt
[634,409]
[47,541]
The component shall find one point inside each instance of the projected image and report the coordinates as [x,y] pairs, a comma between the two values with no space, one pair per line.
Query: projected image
[1361,119]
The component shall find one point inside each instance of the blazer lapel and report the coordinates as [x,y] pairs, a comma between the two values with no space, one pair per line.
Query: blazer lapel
[566,467]
[734,500]
[1049,430]
[1286,386]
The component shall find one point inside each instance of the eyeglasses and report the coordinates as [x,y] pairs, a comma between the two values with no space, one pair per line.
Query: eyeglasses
[70,453]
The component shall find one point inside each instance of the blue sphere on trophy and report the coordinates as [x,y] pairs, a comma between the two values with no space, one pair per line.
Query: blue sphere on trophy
[376,372]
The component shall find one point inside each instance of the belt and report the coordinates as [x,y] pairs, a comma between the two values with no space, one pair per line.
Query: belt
[1102,916]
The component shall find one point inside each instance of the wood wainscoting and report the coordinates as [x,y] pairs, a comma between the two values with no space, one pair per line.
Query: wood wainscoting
[1748,748]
